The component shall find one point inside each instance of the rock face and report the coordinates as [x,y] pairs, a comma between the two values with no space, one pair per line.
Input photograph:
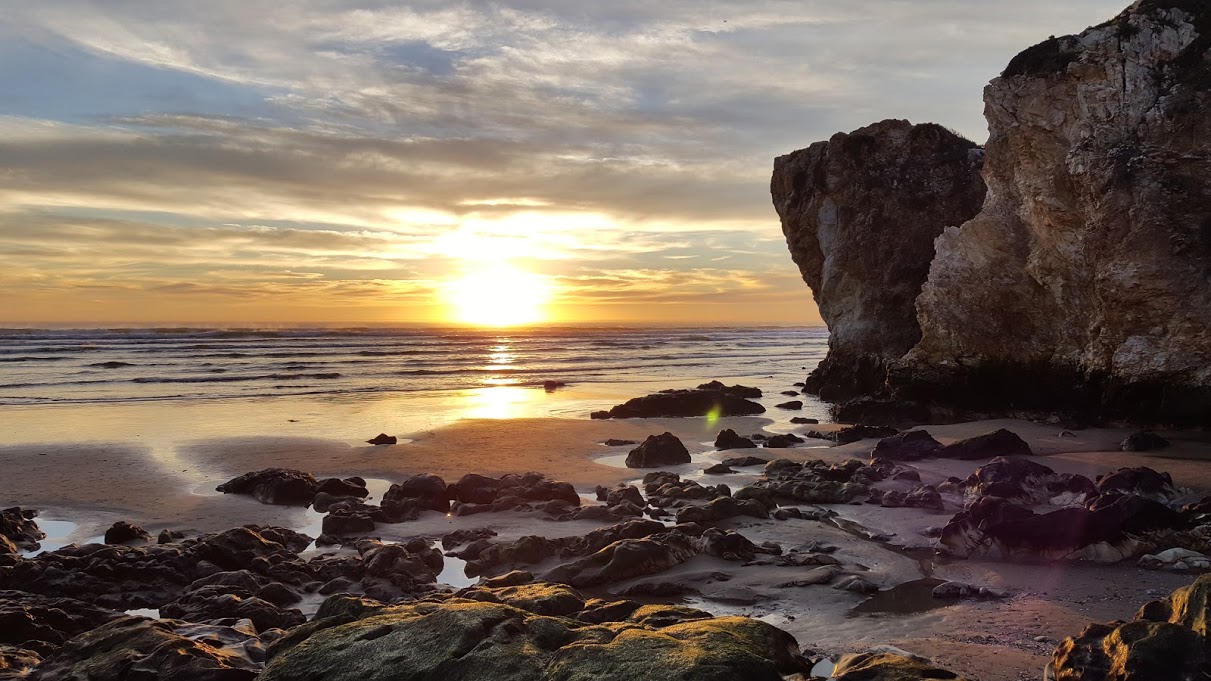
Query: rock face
[658,450]
[1082,284]
[1166,640]
[465,640]
[860,213]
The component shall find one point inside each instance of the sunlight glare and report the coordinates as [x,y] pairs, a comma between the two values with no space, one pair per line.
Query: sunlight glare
[499,295]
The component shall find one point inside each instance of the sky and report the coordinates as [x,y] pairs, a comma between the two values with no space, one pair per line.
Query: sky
[357,161]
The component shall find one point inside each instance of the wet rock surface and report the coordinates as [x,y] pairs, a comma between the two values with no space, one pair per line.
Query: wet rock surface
[711,398]
[277,486]
[658,450]
[445,641]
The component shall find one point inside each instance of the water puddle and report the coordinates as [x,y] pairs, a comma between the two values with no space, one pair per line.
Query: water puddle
[153,613]
[908,598]
[454,571]
[58,535]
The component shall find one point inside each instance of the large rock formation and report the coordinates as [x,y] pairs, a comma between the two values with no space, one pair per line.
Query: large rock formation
[1083,284]
[860,213]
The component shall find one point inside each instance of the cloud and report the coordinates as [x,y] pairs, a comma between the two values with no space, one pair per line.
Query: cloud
[619,146]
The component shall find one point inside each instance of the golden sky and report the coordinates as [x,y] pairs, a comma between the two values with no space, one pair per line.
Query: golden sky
[375,162]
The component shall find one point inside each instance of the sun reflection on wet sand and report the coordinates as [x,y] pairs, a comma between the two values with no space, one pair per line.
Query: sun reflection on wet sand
[501,402]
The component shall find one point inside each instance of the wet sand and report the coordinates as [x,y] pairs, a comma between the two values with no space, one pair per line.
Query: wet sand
[93,484]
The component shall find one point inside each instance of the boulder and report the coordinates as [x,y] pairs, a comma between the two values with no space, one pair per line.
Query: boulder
[745,461]
[214,604]
[870,203]
[912,445]
[277,486]
[26,617]
[122,532]
[744,391]
[427,490]
[1143,441]
[990,445]
[785,441]
[383,439]
[728,439]
[626,559]
[446,641]
[793,405]
[658,450]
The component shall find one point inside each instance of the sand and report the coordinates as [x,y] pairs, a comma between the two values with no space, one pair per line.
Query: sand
[94,483]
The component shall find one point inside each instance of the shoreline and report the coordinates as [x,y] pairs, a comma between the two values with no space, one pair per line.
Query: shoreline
[1047,600]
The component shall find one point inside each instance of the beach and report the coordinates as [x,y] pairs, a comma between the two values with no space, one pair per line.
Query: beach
[167,481]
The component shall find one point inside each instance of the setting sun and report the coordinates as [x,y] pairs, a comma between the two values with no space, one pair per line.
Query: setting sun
[499,295]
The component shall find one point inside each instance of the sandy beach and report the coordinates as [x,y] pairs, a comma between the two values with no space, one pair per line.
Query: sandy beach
[93,484]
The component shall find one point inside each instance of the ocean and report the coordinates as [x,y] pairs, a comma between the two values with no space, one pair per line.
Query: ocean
[166,386]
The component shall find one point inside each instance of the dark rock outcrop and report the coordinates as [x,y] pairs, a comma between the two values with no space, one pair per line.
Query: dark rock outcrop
[719,401]
[658,450]
[19,530]
[908,446]
[123,531]
[990,445]
[1167,640]
[860,213]
[728,439]
[471,639]
[277,486]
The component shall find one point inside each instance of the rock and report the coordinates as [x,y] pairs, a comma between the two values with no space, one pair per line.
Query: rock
[348,487]
[790,393]
[17,662]
[733,390]
[912,445]
[427,490]
[745,461]
[803,420]
[626,559]
[552,386]
[1176,560]
[958,590]
[1143,441]
[169,536]
[338,523]
[783,441]
[619,443]
[793,405]
[122,532]
[212,605]
[684,403]
[861,432]
[134,647]
[728,439]
[541,599]
[277,486]
[1135,651]
[17,525]
[856,584]
[877,666]
[26,618]
[872,200]
[383,439]
[514,578]
[718,469]
[438,641]
[658,450]
[1087,266]
[987,446]
[1140,481]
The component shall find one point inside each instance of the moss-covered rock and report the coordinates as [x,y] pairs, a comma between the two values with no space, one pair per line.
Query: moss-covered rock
[888,667]
[462,640]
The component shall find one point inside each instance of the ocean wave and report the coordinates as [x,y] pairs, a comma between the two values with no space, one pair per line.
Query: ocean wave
[32,359]
[234,379]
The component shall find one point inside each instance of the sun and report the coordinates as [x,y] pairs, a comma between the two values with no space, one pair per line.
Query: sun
[499,295]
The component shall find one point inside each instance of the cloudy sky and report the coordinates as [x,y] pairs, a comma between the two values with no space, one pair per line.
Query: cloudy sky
[345,161]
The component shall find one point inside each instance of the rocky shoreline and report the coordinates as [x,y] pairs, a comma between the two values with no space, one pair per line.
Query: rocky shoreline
[657,587]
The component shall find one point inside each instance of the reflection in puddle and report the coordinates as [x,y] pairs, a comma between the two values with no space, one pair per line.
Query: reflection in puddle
[58,535]
[454,571]
[904,599]
[153,613]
